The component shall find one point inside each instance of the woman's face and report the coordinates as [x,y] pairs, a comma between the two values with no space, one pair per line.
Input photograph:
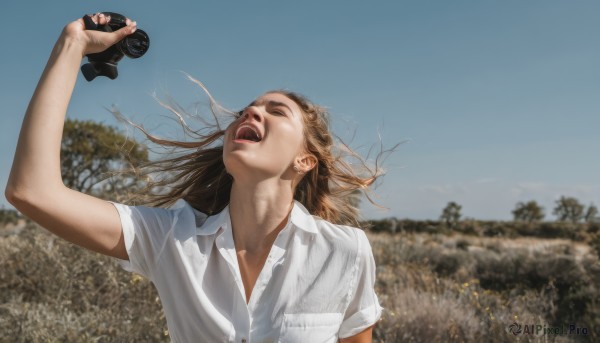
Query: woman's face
[266,139]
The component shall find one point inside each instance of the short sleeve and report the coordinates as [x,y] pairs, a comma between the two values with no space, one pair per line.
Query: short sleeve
[363,309]
[145,230]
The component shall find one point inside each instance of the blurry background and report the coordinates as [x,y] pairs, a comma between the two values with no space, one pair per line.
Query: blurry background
[498,100]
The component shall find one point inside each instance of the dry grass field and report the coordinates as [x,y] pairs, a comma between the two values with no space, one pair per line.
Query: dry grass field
[460,288]
[434,288]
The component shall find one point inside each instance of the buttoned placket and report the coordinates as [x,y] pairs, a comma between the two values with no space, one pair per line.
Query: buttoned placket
[242,307]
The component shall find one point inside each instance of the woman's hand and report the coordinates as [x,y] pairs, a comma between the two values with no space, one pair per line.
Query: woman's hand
[92,41]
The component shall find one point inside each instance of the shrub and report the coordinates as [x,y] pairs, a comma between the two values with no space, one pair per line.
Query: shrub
[433,287]
[51,290]
[8,217]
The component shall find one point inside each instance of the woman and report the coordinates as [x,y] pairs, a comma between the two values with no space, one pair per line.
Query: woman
[239,260]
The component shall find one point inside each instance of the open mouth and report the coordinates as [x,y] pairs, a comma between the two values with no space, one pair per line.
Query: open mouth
[248,133]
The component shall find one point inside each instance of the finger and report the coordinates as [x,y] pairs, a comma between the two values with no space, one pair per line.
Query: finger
[129,29]
[103,19]
[121,33]
[96,16]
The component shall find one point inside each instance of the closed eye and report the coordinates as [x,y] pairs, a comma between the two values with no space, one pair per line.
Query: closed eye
[279,113]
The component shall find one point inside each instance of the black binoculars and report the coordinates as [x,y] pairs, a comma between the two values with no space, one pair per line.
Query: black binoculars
[105,63]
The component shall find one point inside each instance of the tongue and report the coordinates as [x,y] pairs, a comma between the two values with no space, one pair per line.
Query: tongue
[248,135]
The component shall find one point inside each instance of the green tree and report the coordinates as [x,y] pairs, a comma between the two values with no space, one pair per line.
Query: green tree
[529,212]
[91,153]
[451,214]
[568,209]
[591,215]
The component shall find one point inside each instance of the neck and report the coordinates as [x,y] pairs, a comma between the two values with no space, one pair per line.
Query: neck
[259,211]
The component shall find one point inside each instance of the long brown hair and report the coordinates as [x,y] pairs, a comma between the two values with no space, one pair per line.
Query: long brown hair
[195,172]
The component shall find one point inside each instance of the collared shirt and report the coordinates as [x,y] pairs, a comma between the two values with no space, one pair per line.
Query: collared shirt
[317,284]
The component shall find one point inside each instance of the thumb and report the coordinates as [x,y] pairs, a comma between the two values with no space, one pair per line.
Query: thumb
[123,32]
[100,41]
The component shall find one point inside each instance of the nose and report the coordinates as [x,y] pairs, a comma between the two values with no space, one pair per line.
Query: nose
[253,113]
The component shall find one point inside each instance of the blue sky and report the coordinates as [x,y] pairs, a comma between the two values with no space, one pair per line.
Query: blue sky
[498,100]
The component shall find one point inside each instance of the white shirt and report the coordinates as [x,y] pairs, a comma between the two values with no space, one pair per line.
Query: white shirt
[317,284]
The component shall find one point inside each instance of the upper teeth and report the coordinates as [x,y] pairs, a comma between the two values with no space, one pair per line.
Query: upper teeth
[253,130]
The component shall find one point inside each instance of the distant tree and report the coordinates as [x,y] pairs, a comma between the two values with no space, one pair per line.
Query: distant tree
[529,212]
[380,225]
[568,209]
[591,215]
[91,152]
[451,214]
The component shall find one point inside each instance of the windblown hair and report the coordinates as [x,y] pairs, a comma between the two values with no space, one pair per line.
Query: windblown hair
[197,174]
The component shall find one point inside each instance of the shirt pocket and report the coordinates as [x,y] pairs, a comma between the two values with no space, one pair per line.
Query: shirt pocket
[310,327]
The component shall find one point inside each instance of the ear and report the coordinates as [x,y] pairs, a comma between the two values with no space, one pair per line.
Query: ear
[305,162]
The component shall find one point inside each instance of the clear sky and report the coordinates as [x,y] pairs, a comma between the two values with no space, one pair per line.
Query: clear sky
[499,100]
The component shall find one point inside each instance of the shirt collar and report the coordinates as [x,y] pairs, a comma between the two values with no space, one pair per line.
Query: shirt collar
[300,217]
[214,223]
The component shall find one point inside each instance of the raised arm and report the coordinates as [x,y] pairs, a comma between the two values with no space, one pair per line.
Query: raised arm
[35,184]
